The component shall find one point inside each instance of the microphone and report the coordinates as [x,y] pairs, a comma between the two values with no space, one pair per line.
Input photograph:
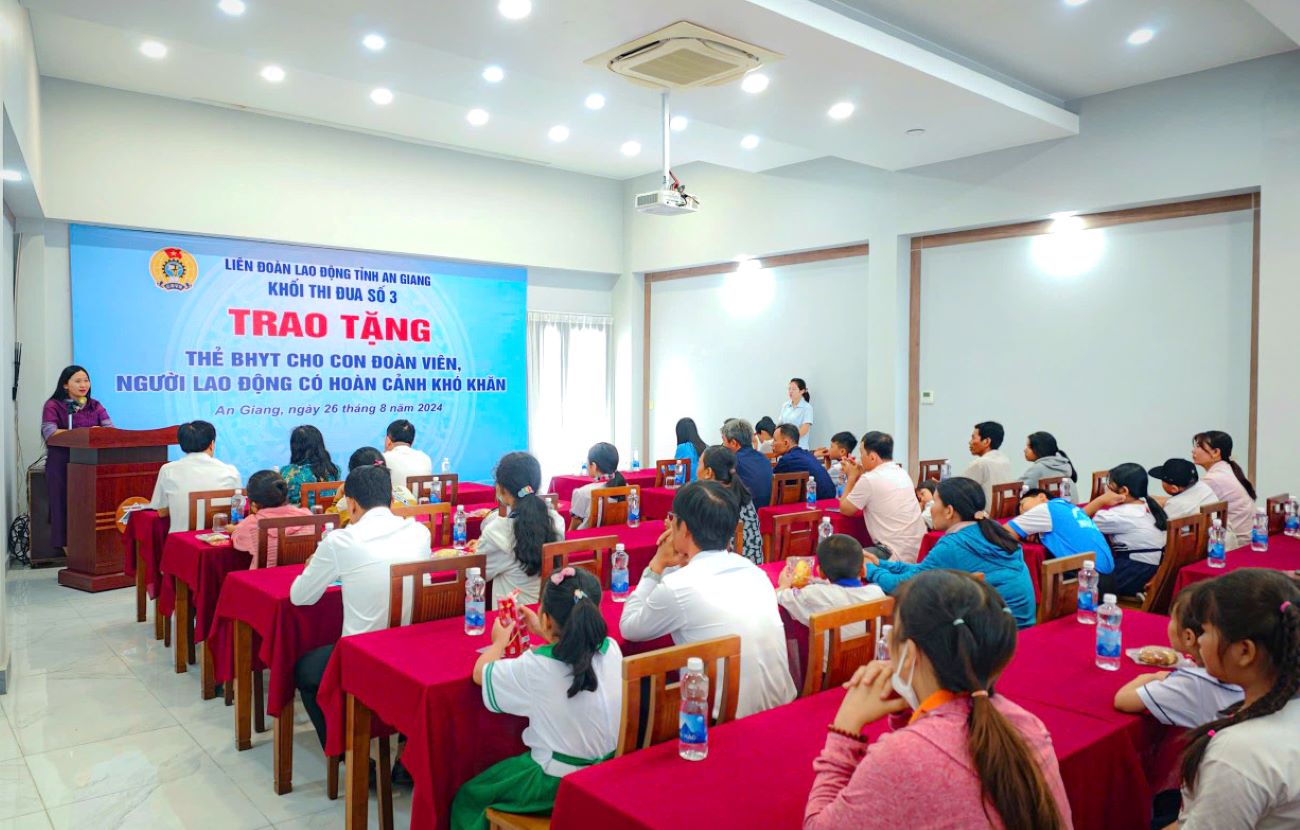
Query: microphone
[72,407]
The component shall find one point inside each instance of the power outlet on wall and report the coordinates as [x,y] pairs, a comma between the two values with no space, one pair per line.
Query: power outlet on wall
[927,397]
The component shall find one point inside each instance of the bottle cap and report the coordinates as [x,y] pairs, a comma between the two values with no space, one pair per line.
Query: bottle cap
[473,572]
[1214,520]
[619,547]
[1109,598]
[1090,564]
[1260,509]
[695,664]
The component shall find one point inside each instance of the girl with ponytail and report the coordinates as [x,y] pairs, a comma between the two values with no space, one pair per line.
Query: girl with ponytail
[570,689]
[1047,460]
[513,543]
[1134,524]
[1240,770]
[972,542]
[970,754]
[602,465]
[1212,451]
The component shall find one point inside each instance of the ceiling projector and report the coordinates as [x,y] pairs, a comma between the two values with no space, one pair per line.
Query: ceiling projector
[670,202]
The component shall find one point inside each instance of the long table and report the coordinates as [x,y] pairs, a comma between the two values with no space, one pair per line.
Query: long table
[563,486]
[143,541]
[1283,554]
[853,526]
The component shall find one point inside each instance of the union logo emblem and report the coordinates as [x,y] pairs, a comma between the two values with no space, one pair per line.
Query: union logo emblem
[173,269]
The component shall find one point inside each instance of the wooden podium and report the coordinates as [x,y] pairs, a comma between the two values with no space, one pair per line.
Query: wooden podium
[106,466]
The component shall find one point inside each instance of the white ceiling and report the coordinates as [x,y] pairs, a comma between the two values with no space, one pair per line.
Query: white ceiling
[437,50]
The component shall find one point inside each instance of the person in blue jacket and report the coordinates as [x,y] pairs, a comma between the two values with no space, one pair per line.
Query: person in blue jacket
[971,544]
[689,445]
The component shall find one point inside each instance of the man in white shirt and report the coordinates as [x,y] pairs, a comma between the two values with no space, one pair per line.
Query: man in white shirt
[402,459]
[713,594]
[360,557]
[197,470]
[990,465]
[883,493]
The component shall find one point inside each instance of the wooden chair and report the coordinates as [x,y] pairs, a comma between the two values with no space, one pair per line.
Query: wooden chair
[431,599]
[1208,512]
[445,485]
[1059,595]
[436,517]
[738,540]
[794,534]
[609,504]
[322,493]
[663,469]
[1006,500]
[1099,481]
[832,657]
[1276,506]
[1053,486]
[498,820]
[291,548]
[931,469]
[789,488]
[1183,546]
[208,497]
[665,698]
[558,555]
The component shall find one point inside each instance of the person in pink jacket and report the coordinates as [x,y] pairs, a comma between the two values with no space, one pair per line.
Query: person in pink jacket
[971,757]
[267,494]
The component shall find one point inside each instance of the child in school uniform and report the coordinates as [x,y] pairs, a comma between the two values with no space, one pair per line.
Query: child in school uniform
[1134,525]
[602,465]
[840,559]
[569,689]
[925,497]
[268,493]
[1185,697]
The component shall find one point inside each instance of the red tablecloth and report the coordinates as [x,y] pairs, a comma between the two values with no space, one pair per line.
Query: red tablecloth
[1034,556]
[854,526]
[474,524]
[563,486]
[640,543]
[1283,554]
[282,631]
[467,492]
[148,530]
[656,502]
[203,568]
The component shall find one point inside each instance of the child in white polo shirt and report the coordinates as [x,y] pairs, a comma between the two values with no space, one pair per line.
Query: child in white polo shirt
[840,560]
[569,689]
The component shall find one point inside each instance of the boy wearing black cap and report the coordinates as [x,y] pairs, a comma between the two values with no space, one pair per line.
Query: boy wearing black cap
[1187,493]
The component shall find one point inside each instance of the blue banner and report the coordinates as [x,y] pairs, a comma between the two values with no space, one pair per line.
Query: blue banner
[258,338]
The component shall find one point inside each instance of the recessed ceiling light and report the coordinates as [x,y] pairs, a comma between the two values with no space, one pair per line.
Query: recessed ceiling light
[559,133]
[840,111]
[273,73]
[916,131]
[11,176]
[749,142]
[234,8]
[494,74]
[477,117]
[515,9]
[381,96]
[1075,2]
[679,123]
[1141,36]
[374,41]
[630,148]
[755,82]
[153,49]
[595,101]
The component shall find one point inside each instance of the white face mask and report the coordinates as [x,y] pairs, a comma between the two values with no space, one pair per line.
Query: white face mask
[904,687]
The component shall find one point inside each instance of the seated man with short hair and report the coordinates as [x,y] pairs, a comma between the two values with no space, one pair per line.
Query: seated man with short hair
[792,458]
[400,456]
[881,491]
[198,470]
[711,593]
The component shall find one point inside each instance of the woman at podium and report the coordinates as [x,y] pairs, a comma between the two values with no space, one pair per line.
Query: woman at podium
[70,407]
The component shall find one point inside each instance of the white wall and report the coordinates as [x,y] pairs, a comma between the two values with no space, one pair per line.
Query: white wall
[727,345]
[1110,359]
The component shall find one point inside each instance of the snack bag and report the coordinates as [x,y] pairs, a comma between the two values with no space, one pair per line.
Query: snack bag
[802,567]
[512,609]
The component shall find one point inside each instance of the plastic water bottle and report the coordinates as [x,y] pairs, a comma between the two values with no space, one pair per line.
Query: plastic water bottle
[446,466]
[824,530]
[882,644]
[693,722]
[679,474]
[1087,606]
[459,533]
[1259,531]
[238,506]
[1291,527]
[945,471]
[634,508]
[636,460]
[619,586]
[475,606]
[812,493]
[839,483]
[1110,640]
[1214,552]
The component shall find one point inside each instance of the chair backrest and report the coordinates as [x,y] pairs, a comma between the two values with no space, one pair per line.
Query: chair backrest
[1099,481]
[445,485]
[930,469]
[795,534]
[1276,506]
[322,493]
[1059,594]
[788,488]
[833,657]
[1006,500]
[201,519]
[665,475]
[1209,511]
[1053,486]
[437,587]
[291,548]
[1183,546]
[738,540]
[552,500]
[558,555]
[609,504]
[436,517]
[664,703]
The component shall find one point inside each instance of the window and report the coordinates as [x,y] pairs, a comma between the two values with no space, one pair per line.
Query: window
[570,391]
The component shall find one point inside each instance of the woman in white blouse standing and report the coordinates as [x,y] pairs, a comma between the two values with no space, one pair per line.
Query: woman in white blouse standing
[513,543]
[798,410]
[1212,451]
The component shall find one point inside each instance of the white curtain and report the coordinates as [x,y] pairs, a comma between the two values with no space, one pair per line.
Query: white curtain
[570,390]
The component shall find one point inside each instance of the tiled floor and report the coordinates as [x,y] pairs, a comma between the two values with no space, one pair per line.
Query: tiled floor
[99,731]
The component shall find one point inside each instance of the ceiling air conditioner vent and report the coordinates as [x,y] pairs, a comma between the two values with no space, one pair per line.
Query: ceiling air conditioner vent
[683,56]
